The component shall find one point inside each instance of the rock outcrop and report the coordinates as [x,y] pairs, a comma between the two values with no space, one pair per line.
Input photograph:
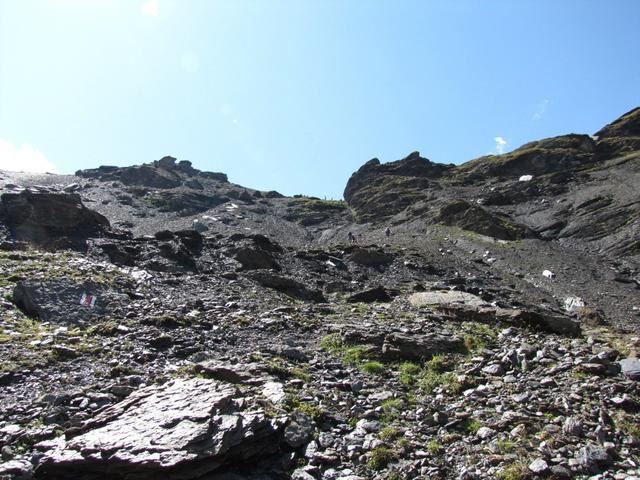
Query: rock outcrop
[51,219]
[182,430]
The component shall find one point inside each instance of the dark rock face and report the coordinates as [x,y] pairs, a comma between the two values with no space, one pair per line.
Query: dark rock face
[163,173]
[565,187]
[473,218]
[252,259]
[621,136]
[536,158]
[377,190]
[51,219]
[66,302]
[181,430]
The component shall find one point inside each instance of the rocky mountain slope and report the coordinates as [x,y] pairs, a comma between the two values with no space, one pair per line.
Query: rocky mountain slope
[472,321]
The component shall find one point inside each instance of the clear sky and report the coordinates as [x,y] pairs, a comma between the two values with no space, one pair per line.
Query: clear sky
[295,95]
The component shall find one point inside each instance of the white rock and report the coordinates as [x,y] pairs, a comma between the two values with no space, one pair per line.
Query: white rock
[525,178]
[485,432]
[573,303]
[548,274]
[538,466]
[274,391]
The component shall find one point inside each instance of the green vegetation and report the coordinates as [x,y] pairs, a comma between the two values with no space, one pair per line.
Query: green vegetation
[332,343]
[430,381]
[506,446]
[473,425]
[380,457]
[388,433]
[433,447]
[516,471]
[408,373]
[318,205]
[478,336]
[353,356]
[373,368]
[35,264]
[278,367]
[628,426]
[294,404]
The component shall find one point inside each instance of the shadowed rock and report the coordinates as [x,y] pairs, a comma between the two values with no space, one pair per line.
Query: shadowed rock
[51,219]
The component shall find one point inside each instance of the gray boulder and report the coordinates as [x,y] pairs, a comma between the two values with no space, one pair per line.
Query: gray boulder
[181,430]
[631,368]
[64,301]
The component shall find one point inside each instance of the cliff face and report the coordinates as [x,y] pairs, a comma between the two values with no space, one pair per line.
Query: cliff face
[473,321]
[575,188]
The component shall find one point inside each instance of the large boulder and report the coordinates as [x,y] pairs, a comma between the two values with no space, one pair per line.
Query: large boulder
[51,219]
[181,430]
[65,301]
[286,285]
[369,257]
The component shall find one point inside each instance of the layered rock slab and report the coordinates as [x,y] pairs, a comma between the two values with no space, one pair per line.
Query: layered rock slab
[181,430]
[65,301]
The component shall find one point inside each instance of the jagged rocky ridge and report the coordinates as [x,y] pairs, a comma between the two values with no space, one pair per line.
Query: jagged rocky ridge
[159,320]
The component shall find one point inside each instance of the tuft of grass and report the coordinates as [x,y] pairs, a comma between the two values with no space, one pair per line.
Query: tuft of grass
[388,433]
[408,373]
[373,368]
[478,336]
[433,447]
[430,381]
[277,366]
[506,446]
[515,471]
[473,425]
[332,343]
[380,457]
[353,356]
[301,373]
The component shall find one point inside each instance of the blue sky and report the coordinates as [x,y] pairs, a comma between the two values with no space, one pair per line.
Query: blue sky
[295,95]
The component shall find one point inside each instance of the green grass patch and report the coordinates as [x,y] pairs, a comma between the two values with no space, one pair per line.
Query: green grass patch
[380,457]
[373,368]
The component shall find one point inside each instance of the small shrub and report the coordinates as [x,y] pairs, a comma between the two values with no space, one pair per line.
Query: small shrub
[437,364]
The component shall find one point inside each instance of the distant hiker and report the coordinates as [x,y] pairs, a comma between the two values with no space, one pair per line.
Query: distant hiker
[387,232]
[352,237]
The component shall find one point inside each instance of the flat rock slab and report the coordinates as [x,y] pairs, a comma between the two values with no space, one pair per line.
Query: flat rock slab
[181,430]
[445,297]
[64,301]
